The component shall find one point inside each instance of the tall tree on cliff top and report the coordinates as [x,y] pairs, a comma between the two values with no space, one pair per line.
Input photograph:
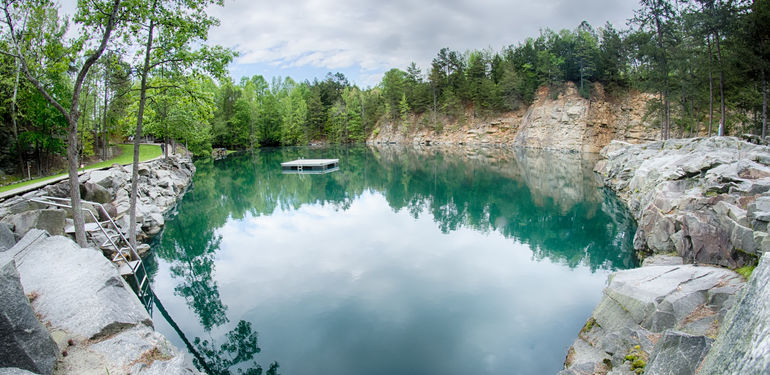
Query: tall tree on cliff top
[655,17]
[97,24]
[166,30]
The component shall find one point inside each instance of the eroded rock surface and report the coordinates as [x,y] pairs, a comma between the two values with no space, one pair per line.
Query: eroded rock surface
[651,315]
[743,343]
[90,312]
[25,342]
[706,199]
[557,120]
[62,274]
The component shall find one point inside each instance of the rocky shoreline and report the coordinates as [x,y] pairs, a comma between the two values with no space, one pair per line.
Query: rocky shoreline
[697,201]
[92,322]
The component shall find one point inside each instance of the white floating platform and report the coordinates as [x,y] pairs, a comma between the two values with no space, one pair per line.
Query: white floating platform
[310,166]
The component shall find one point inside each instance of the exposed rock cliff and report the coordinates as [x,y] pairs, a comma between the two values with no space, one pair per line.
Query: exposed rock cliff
[658,318]
[708,199]
[568,122]
[743,344]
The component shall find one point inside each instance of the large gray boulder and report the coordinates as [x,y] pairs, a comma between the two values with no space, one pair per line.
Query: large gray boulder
[95,193]
[7,239]
[138,350]
[677,353]
[65,276]
[25,342]
[743,343]
[50,220]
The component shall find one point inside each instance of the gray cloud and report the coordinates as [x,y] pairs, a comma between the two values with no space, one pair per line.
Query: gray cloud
[376,35]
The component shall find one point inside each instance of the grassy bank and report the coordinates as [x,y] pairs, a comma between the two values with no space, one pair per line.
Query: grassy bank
[146,152]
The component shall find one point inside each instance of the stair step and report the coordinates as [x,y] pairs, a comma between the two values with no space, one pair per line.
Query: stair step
[90,227]
[128,268]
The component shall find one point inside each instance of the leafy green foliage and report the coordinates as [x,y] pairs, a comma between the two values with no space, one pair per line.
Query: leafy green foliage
[692,55]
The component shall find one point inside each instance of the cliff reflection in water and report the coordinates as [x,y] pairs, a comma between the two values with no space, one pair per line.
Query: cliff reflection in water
[549,201]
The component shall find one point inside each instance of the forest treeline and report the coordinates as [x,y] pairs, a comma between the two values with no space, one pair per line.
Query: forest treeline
[705,60]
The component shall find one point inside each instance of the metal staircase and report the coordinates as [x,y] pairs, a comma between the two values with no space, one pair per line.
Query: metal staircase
[125,257]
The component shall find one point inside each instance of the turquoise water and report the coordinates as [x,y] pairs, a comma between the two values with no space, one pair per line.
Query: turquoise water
[404,261]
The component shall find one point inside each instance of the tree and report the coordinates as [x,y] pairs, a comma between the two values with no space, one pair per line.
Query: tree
[586,54]
[294,115]
[655,19]
[403,107]
[169,29]
[97,25]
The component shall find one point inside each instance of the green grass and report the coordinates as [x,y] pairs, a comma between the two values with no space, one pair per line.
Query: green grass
[146,152]
[746,271]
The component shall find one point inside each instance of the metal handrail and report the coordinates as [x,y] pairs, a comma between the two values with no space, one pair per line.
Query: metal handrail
[142,288]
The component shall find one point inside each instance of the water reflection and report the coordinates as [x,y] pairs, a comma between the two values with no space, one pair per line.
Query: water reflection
[410,260]
[238,350]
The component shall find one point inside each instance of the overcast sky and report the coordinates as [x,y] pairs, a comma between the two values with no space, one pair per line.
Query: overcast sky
[364,38]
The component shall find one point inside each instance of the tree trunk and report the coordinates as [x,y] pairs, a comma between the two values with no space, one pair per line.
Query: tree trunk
[74,183]
[662,117]
[96,119]
[711,88]
[434,106]
[764,105]
[140,115]
[13,120]
[721,86]
[104,117]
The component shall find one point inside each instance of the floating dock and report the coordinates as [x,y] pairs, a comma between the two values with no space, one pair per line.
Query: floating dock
[310,166]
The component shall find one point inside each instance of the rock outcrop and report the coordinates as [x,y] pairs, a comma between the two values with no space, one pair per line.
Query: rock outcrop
[566,122]
[743,343]
[25,342]
[658,318]
[571,122]
[706,199]
[98,323]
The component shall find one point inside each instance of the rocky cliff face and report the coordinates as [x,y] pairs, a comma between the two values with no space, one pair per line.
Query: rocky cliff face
[743,344]
[659,319]
[567,122]
[707,199]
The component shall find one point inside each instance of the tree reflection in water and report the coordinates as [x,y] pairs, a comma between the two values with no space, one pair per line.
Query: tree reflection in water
[238,350]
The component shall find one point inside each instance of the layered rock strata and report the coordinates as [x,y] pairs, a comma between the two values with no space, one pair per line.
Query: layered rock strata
[557,120]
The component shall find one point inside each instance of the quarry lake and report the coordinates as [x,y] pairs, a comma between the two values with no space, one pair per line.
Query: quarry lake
[406,260]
